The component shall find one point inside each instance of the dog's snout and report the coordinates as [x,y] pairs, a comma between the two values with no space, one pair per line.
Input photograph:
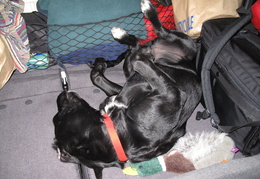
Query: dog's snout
[68,98]
[72,94]
[74,98]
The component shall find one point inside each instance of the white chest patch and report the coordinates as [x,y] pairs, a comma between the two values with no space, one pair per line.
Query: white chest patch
[112,104]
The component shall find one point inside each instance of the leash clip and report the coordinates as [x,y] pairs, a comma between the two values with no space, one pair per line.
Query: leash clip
[64,80]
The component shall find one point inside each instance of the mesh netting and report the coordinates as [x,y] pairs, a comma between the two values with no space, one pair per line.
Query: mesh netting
[39,50]
[79,44]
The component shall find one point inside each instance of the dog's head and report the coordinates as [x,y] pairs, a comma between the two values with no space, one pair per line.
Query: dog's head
[79,137]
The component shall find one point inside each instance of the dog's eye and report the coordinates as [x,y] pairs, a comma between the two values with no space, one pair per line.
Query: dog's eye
[64,154]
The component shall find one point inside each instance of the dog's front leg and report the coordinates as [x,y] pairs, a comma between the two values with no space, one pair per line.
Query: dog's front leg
[120,58]
[99,80]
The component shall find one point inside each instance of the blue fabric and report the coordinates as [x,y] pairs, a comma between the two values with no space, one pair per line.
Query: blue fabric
[81,56]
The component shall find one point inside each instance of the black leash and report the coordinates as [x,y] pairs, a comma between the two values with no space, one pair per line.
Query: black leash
[63,76]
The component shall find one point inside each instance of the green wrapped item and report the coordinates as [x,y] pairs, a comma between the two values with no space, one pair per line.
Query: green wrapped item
[148,167]
[38,61]
[191,152]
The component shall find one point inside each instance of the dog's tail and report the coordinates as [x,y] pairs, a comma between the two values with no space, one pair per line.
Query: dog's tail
[150,12]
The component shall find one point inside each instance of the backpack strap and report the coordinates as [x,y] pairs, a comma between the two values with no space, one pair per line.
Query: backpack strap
[230,129]
[212,54]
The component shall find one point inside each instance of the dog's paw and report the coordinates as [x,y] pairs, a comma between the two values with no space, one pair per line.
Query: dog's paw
[118,33]
[90,64]
[146,5]
[149,10]
[100,65]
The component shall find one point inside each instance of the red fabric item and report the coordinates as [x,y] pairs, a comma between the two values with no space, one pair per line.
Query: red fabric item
[165,14]
[256,15]
[115,139]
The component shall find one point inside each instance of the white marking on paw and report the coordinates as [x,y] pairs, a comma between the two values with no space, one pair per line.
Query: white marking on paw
[118,33]
[145,5]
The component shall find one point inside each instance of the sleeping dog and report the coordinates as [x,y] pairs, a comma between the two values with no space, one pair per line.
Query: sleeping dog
[148,114]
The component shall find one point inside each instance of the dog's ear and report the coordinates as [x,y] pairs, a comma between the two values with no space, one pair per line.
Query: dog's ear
[83,152]
[91,150]
[56,120]
[74,147]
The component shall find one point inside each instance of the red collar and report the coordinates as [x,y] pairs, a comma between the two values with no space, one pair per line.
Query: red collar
[115,139]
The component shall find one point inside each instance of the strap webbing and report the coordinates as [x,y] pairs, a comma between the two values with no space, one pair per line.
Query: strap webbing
[210,57]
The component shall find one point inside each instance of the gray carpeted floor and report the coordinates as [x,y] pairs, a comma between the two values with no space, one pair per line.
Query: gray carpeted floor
[27,106]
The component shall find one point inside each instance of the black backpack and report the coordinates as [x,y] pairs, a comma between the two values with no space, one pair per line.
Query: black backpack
[229,64]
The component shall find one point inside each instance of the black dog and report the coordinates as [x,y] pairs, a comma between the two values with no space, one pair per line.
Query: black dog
[149,112]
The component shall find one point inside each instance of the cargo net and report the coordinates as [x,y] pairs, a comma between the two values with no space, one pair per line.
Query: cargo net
[80,44]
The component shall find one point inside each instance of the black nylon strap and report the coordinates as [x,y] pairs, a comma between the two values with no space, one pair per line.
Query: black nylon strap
[210,57]
[229,129]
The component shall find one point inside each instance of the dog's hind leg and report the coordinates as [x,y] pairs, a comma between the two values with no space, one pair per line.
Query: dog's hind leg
[150,12]
[158,80]
[120,58]
[98,79]
[179,42]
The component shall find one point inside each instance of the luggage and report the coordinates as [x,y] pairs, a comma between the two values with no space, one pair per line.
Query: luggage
[36,24]
[229,63]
